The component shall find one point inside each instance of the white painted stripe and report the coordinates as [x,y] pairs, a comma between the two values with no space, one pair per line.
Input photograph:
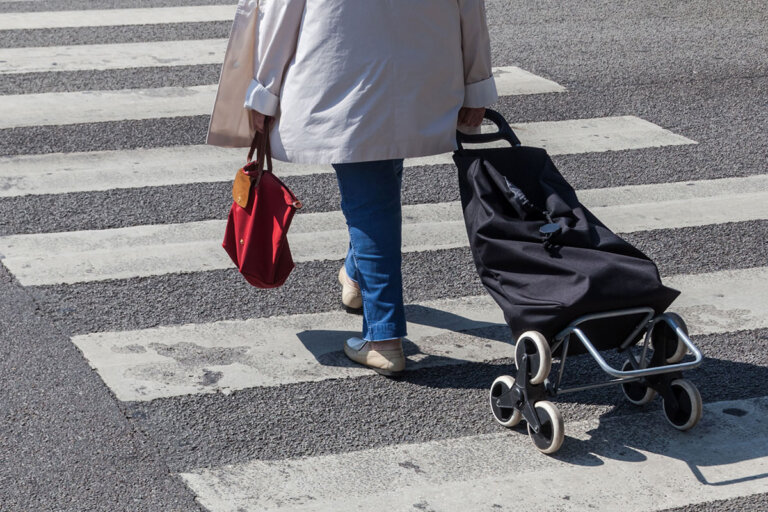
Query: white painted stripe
[58,108]
[598,134]
[99,106]
[172,361]
[115,17]
[513,81]
[605,464]
[155,250]
[111,56]
[582,136]
[59,173]
[105,170]
[729,300]
[81,256]
[660,192]
[682,213]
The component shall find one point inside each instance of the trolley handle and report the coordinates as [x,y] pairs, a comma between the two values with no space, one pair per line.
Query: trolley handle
[504,133]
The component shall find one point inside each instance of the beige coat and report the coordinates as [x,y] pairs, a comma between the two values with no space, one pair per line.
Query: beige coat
[353,80]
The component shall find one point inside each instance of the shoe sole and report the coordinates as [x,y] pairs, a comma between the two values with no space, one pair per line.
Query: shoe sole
[386,373]
[380,371]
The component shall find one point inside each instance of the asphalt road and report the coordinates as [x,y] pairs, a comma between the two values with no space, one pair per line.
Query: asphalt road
[698,69]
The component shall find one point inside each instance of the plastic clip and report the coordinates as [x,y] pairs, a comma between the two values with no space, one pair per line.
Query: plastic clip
[550,231]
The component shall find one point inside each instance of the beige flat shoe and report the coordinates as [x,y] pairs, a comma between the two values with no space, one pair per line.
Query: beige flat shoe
[385,362]
[350,292]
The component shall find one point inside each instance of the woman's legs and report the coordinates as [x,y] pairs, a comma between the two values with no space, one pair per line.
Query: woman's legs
[370,200]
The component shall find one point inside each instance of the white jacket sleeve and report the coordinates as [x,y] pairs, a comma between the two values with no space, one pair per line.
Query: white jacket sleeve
[277,33]
[479,88]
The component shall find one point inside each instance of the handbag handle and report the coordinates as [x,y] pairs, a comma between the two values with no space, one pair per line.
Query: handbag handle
[505,132]
[261,146]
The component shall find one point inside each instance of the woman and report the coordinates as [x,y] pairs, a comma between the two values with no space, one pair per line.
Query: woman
[360,85]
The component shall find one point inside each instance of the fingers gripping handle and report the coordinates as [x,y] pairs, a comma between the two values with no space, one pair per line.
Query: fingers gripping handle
[504,133]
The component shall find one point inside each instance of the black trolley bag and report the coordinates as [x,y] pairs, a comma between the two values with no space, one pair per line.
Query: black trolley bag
[555,269]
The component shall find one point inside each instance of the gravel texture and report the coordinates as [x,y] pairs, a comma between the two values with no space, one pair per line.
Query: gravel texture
[144,302]
[341,415]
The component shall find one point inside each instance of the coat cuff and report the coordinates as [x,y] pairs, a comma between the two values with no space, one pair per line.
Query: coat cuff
[258,98]
[480,94]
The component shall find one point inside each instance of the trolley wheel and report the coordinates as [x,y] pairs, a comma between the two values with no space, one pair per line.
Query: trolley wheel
[636,392]
[535,345]
[690,405]
[504,416]
[675,348]
[551,434]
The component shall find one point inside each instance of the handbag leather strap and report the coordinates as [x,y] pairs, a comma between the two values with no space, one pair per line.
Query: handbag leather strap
[263,150]
[251,173]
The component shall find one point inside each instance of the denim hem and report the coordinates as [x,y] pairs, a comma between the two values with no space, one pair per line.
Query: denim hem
[384,331]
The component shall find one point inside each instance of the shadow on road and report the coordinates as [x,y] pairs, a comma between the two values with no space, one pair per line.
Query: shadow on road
[326,345]
[715,451]
[721,450]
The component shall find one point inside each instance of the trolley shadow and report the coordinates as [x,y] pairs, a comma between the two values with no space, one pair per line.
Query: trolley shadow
[727,435]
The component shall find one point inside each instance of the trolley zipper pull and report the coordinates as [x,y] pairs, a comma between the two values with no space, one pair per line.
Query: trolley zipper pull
[550,231]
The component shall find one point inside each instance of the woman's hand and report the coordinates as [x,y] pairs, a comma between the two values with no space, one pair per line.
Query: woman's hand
[259,120]
[471,116]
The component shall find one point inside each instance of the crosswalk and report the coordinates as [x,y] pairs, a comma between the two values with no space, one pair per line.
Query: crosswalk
[169,363]
[154,363]
[425,473]
[120,253]
[99,106]
[104,170]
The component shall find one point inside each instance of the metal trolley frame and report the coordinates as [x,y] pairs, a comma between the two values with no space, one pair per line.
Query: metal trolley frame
[641,377]
[640,368]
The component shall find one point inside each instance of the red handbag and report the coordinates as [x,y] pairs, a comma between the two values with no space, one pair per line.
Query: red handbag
[261,213]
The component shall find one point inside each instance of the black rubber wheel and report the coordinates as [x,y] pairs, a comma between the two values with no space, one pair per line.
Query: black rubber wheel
[689,402]
[664,335]
[550,437]
[636,392]
[503,415]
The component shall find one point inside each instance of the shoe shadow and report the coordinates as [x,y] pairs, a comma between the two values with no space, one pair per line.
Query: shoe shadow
[326,347]
[433,329]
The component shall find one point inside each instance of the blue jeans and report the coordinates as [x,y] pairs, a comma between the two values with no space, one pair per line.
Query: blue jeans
[370,200]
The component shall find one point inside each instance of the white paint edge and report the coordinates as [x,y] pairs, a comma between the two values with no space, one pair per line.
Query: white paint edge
[106,170]
[177,360]
[111,56]
[172,361]
[608,464]
[513,81]
[724,301]
[598,134]
[140,251]
[115,17]
[59,108]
